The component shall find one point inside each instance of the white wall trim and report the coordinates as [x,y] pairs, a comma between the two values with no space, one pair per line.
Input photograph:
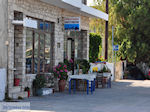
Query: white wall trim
[94,12]
[78,7]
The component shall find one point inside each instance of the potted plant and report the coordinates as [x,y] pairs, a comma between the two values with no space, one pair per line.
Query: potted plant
[60,72]
[83,64]
[39,83]
[27,89]
[69,64]
[101,60]
[16,81]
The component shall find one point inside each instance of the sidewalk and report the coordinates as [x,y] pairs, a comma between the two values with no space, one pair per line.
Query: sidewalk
[124,96]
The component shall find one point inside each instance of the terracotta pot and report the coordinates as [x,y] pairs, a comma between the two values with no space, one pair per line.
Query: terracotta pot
[28,94]
[62,84]
[16,82]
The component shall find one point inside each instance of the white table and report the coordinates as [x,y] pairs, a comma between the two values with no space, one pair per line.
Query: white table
[88,77]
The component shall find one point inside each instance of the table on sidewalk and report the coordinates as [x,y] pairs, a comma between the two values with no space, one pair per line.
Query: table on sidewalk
[88,77]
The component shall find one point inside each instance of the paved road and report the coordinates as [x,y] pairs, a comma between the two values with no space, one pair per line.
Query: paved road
[124,96]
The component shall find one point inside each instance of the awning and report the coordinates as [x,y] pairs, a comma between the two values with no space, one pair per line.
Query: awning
[77,7]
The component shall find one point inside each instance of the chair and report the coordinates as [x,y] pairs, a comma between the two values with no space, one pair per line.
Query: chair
[100,80]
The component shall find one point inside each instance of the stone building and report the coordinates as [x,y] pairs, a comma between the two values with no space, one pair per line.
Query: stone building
[33,38]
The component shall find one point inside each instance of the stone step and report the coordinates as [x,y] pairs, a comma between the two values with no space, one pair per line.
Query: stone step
[20,94]
[16,89]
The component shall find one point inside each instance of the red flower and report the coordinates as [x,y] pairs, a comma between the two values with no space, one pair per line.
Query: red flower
[65,66]
[66,70]
[71,61]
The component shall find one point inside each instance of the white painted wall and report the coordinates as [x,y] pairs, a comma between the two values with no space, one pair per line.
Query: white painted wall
[2,83]
[111,67]
[101,66]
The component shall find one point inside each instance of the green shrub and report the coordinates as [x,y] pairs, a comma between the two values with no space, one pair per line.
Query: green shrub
[39,82]
[95,43]
[83,64]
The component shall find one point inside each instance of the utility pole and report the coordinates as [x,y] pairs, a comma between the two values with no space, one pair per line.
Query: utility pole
[106,33]
[112,44]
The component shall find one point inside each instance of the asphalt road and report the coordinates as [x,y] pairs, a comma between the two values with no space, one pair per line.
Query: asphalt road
[124,96]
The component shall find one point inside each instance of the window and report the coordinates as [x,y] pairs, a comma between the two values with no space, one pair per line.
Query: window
[39,48]
[29,51]
[18,15]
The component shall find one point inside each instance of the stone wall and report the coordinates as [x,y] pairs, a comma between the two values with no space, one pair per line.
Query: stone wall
[3,33]
[85,51]
[18,51]
[118,71]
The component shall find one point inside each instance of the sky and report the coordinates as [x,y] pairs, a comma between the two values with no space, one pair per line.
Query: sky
[90,2]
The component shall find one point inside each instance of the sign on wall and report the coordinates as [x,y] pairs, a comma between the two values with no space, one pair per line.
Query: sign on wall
[27,22]
[72,23]
[116,47]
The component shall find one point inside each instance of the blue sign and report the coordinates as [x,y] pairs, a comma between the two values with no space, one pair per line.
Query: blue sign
[72,23]
[72,27]
[116,47]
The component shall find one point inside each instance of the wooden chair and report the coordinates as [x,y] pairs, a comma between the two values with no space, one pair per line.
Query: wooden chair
[100,80]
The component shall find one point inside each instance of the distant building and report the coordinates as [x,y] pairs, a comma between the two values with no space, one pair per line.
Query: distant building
[33,38]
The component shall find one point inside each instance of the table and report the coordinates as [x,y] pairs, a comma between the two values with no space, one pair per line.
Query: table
[88,77]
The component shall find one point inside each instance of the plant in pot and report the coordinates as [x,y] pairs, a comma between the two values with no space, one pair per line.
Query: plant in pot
[60,72]
[69,64]
[16,81]
[27,89]
[39,83]
[83,64]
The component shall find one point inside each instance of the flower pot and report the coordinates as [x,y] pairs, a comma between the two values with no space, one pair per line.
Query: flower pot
[16,81]
[28,94]
[62,84]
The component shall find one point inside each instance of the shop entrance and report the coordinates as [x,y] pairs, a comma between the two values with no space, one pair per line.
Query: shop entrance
[70,48]
[73,44]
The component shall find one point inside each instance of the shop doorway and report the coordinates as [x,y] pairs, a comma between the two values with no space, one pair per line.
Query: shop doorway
[70,48]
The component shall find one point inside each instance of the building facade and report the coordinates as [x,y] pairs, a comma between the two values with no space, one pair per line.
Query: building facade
[36,46]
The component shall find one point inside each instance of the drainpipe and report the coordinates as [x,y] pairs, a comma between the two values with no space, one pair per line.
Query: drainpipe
[7,43]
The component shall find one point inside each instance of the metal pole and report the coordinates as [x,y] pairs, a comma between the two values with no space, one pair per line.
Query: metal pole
[115,67]
[112,44]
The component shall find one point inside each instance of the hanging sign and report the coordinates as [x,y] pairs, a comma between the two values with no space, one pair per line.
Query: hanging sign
[27,22]
[72,23]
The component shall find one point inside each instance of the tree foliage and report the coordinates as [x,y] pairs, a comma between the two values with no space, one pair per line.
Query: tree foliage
[95,43]
[133,29]
[130,19]
[98,25]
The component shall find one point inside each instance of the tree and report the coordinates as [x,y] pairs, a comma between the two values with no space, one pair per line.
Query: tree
[95,43]
[133,29]
[98,25]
